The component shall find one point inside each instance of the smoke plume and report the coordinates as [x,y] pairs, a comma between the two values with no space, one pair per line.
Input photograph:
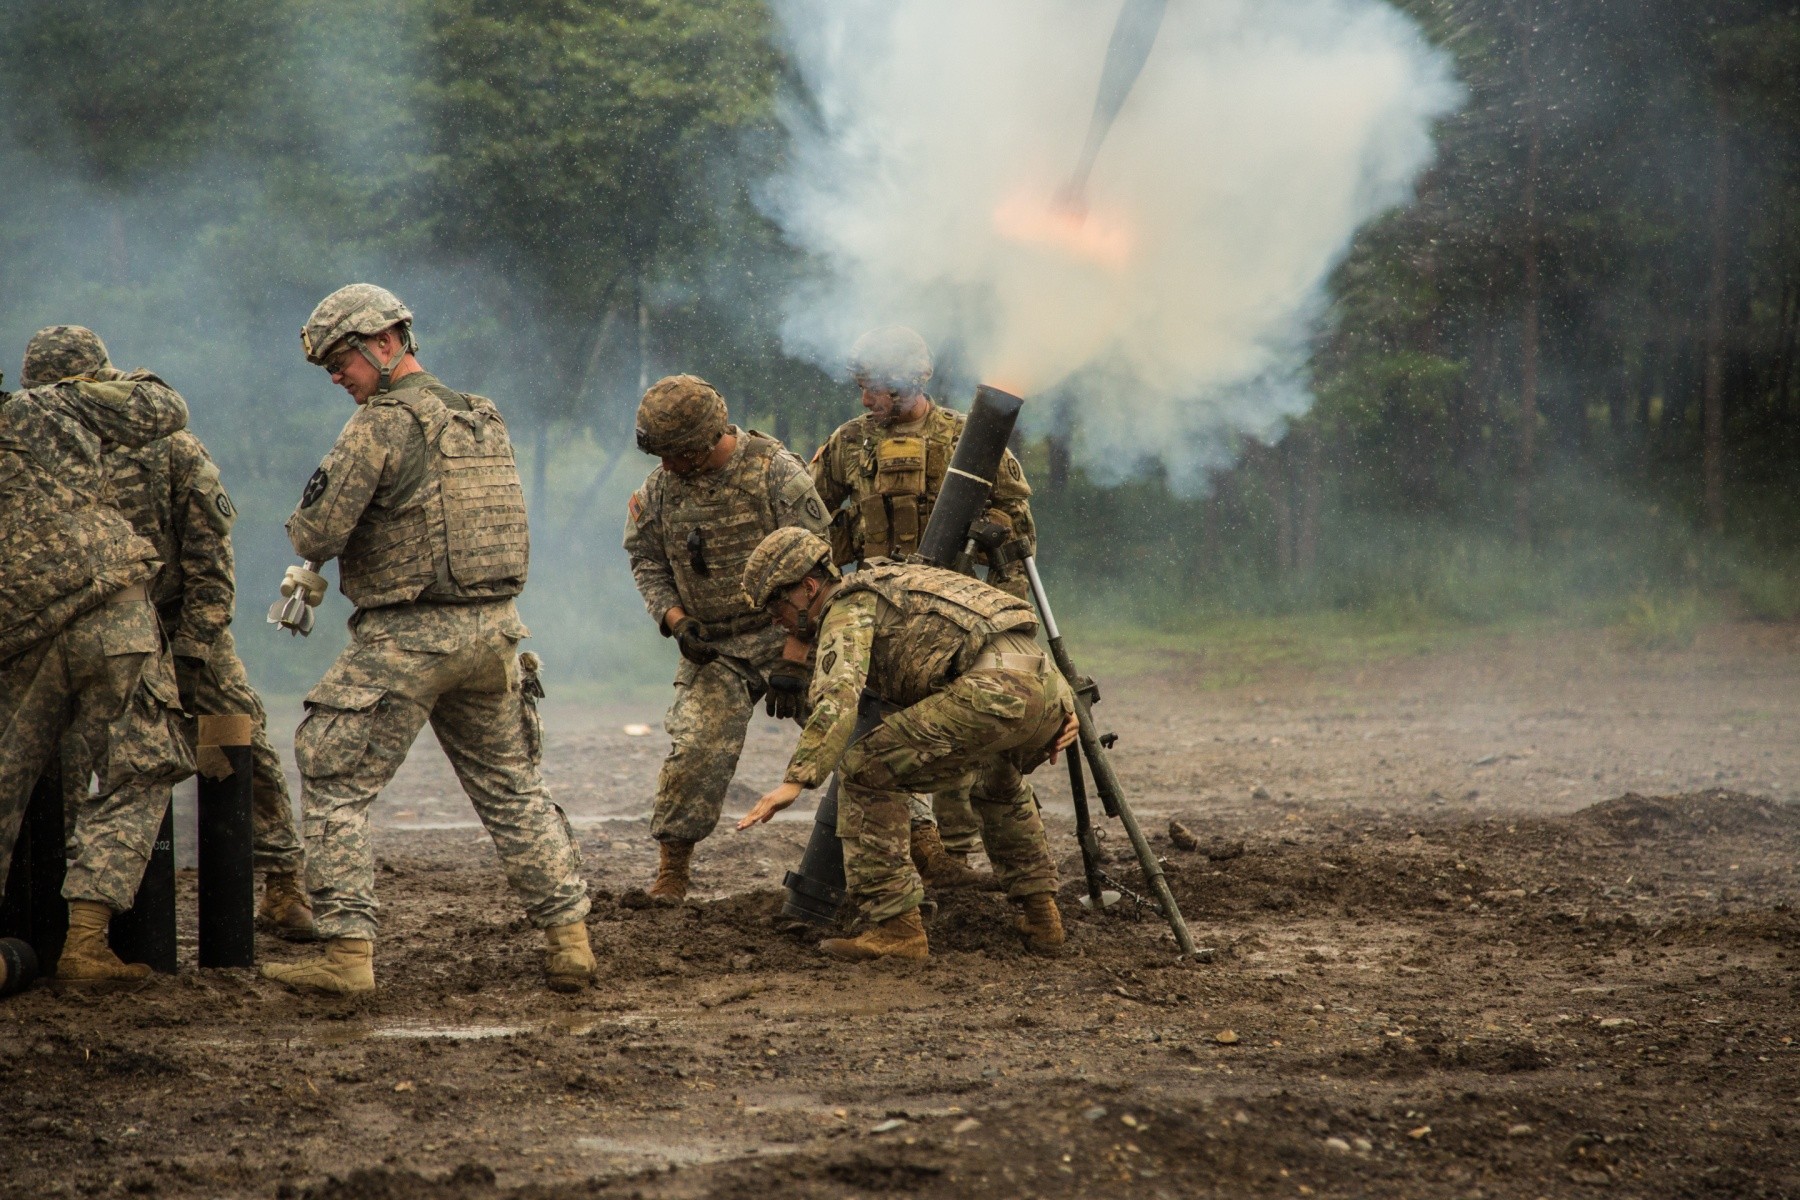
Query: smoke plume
[932,139]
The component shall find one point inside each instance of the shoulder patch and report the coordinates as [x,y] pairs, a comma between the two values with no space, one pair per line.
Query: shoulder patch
[222,502]
[817,454]
[828,662]
[634,507]
[315,487]
[1012,468]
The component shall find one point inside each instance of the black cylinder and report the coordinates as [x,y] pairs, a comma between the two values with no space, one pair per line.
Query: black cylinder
[33,908]
[18,965]
[973,469]
[227,889]
[145,933]
[816,890]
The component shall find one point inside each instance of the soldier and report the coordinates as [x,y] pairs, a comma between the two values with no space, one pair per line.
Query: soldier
[419,501]
[80,650]
[690,529]
[171,493]
[879,476]
[977,696]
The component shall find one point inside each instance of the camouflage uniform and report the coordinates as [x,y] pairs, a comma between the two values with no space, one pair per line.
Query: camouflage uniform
[419,501]
[761,488]
[171,492]
[80,651]
[977,697]
[879,483]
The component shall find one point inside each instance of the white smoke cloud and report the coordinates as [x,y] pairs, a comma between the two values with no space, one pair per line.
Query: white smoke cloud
[1260,136]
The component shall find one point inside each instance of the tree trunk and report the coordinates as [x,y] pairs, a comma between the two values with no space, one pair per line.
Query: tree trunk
[1281,508]
[1528,336]
[1713,405]
[1312,500]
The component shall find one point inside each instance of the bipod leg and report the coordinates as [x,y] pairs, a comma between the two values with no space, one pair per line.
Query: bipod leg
[1084,830]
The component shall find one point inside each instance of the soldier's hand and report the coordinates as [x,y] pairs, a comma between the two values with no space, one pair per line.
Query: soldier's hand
[786,696]
[1065,738]
[771,804]
[187,679]
[694,646]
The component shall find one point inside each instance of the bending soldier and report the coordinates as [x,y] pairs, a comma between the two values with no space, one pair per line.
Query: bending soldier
[80,651]
[690,529]
[879,475]
[420,503]
[171,493]
[977,696]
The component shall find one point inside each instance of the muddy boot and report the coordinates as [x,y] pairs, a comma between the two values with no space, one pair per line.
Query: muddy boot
[940,869]
[284,911]
[901,937]
[86,958]
[671,883]
[347,968]
[1041,924]
[568,958]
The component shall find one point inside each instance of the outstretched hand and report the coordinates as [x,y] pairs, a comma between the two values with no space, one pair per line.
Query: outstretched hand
[771,804]
[1065,738]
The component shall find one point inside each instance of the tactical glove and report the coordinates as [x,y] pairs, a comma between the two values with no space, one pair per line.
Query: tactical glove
[693,643]
[786,696]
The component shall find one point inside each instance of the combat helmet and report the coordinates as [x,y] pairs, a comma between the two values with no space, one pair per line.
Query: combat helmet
[892,356]
[679,416]
[61,352]
[355,313]
[783,559]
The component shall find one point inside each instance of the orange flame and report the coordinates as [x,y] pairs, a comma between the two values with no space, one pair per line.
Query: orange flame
[1099,238]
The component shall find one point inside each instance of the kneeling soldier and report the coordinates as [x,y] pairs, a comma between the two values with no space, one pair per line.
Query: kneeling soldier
[976,695]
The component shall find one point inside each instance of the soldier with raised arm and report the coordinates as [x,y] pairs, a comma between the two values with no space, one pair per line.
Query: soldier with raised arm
[879,475]
[689,531]
[80,650]
[420,503]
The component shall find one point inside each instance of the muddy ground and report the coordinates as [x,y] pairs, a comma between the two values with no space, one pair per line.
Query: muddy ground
[1511,919]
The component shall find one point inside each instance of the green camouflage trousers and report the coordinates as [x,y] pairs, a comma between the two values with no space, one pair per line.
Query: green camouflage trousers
[220,687]
[457,666]
[706,723]
[997,725]
[949,809]
[105,681]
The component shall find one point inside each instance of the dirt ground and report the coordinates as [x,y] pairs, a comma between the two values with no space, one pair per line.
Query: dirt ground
[1514,919]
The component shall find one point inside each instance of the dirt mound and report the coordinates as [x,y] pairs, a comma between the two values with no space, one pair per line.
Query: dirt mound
[1695,814]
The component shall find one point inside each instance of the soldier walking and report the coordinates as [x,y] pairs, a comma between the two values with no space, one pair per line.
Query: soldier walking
[879,476]
[690,529]
[171,493]
[420,503]
[80,650]
[977,696]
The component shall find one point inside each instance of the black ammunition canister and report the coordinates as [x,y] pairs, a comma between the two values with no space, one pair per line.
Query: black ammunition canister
[227,899]
[974,466]
[33,909]
[145,933]
[18,965]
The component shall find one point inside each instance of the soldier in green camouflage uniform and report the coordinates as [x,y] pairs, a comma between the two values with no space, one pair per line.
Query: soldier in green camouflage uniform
[420,503]
[80,650]
[690,529]
[171,493]
[879,476]
[976,694]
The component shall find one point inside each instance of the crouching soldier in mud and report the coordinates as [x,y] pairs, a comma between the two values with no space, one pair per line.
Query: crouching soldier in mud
[80,651]
[690,530]
[879,475]
[420,503]
[977,696]
[171,493]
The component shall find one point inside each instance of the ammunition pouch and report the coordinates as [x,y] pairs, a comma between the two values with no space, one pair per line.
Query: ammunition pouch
[894,514]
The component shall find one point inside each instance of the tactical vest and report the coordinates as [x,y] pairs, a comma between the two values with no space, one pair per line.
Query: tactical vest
[461,535]
[63,546]
[900,480]
[932,626]
[710,524]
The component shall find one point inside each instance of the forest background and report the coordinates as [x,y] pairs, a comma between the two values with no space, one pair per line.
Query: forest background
[1562,385]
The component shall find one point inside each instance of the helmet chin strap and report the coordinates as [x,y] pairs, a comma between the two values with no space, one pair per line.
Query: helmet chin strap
[385,369]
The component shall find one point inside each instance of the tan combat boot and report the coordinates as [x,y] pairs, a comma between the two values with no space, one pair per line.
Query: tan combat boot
[1041,924]
[284,911]
[86,958]
[940,869]
[347,968]
[671,883]
[568,958]
[901,937]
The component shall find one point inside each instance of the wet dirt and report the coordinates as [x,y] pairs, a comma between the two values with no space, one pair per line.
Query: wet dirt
[1580,980]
